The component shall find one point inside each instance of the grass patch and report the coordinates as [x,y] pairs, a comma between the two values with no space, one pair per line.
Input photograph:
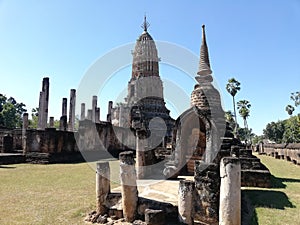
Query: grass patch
[48,194]
[279,205]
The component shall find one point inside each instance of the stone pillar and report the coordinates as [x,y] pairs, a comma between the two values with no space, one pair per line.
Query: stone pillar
[51,122]
[45,89]
[82,114]
[110,104]
[207,186]
[25,121]
[128,185]
[140,156]
[230,192]
[94,106]
[64,107]
[102,186]
[185,201]
[41,112]
[63,124]
[72,109]
[97,115]
[121,115]
[24,128]
[89,114]
[43,105]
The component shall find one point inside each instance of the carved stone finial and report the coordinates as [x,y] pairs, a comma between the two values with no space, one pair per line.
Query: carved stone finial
[145,25]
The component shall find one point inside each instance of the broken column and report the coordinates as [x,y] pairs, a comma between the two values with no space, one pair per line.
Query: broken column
[45,89]
[110,105]
[63,123]
[121,115]
[24,128]
[64,107]
[97,115]
[43,104]
[94,107]
[128,185]
[207,187]
[72,109]
[102,186]
[185,201]
[230,191]
[89,114]
[41,111]
[51,122]
[140,155]
[82,114]
[25,122]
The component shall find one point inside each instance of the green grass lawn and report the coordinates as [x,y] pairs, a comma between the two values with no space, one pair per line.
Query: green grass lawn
[48,194]
[279,205]
[64,193]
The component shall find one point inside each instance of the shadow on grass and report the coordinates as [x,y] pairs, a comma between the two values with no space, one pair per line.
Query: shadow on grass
[278,182]
[266,199]
[269,199]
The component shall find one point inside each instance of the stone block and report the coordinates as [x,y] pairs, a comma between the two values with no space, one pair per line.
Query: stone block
[154,217]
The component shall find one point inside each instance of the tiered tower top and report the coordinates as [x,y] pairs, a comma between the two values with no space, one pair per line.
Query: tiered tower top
[145,57]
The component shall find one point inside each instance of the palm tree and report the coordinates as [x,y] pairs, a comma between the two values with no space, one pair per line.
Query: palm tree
[232,87]
[296,98]
[290,109]
[229,119]
[244,111]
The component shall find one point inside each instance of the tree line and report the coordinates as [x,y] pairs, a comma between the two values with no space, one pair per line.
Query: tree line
[11,114]
[288,130]
[282,131]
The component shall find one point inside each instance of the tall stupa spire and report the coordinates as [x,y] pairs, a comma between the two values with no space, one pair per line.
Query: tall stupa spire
[204,65]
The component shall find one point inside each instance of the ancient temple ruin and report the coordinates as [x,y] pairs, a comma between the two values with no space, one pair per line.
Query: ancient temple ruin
[204,147]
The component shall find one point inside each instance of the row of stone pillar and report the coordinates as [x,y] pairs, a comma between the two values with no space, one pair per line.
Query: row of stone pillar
[93,114]
[43,109]
[64,124]
[128,186]
[230,194]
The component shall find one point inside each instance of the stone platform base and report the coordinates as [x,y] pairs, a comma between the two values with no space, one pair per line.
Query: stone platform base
[11,158]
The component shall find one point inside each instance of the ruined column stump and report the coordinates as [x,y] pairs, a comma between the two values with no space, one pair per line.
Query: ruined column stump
[63,124]
[72,110]
[128,185]
[185,201]
[102,186]
[24,128]
[82,111]
[207,186]
[51,122]
[140,156]
[64,107]
[230,191]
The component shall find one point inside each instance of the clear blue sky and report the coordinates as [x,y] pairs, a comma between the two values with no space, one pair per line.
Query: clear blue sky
[257,42]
